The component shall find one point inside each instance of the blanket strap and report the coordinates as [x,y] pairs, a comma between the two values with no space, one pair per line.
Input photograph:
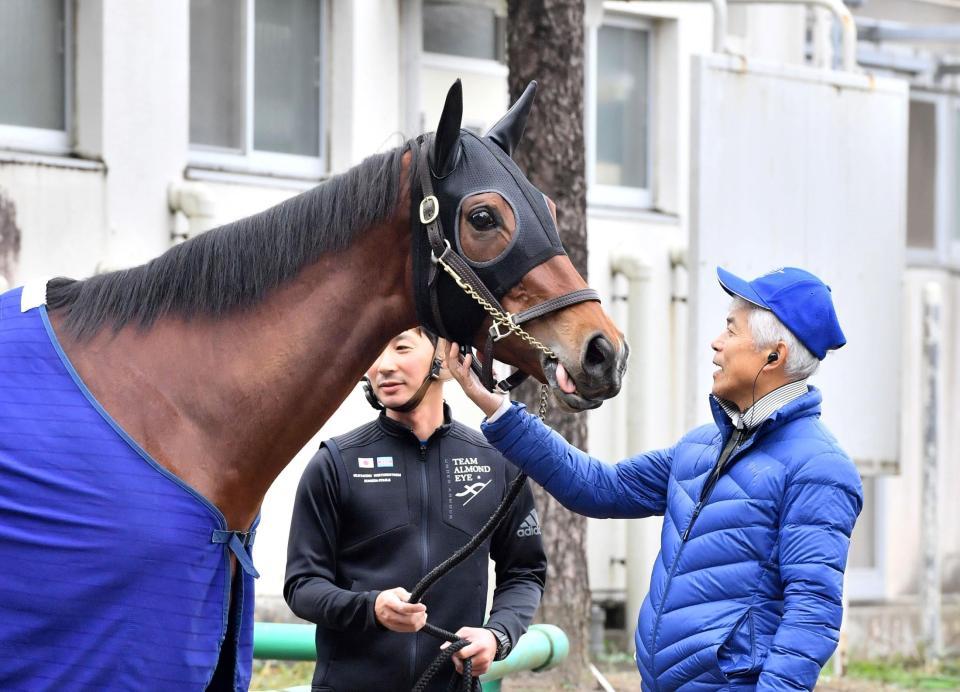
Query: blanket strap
[239,542]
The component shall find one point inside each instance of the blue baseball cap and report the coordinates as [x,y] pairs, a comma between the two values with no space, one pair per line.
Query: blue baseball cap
[799,299]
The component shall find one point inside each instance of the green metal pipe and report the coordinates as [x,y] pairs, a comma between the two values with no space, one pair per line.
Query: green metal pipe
[284,641]
[490,685]
[542,647]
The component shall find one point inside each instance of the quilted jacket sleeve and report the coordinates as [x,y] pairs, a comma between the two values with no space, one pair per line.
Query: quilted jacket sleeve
[635,487]
[310,587]
[821,504]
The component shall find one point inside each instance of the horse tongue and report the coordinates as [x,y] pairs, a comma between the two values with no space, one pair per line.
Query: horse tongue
[564,381]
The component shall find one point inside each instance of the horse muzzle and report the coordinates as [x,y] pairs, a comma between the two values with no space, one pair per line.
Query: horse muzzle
[598,375]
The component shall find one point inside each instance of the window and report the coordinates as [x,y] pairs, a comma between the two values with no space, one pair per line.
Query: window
[921,172]
[618,112]
[466,29]
[865,561]
[34,58]
[933,180]
[255,85]
[463,39]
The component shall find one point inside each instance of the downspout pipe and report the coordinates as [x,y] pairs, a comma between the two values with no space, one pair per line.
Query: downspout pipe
[848,28]
[875,31]
[719,26]
[837,8]
[196,203]
[641,542]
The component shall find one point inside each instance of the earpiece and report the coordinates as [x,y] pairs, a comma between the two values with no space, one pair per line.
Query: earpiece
[773,357]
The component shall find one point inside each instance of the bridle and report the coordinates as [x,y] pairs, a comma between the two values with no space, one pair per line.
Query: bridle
[443,256]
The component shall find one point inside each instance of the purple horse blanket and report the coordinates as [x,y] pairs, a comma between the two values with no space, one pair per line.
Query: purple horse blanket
[114,574]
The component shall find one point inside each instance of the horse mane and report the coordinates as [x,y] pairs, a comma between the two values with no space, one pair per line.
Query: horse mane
[235,265]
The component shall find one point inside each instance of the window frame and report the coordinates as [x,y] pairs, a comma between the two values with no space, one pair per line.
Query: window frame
[42,140]
[459,63]
[257,162]
[946,246]
[951,231]
[869,583]
[619,196]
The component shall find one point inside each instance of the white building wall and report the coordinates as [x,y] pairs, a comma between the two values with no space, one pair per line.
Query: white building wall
[902,509]
[61,214]
[365,80]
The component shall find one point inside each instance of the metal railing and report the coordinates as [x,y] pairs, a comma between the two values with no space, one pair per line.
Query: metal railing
[541,648]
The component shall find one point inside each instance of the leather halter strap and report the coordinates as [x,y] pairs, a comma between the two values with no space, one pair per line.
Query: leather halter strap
[441,250]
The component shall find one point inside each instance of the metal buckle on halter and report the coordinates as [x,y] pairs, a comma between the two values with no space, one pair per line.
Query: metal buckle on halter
[433,255]
[495,332]
[429,209]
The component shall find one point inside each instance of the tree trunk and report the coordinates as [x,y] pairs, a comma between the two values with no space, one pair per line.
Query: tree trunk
[545,43]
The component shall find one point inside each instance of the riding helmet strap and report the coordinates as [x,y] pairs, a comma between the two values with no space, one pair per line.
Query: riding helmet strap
[370,395]
[417,397]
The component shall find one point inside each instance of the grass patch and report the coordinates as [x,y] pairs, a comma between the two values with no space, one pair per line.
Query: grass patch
[908,673]
[276,675]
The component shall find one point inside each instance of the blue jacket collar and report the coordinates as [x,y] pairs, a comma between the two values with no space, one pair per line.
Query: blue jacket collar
[806,405]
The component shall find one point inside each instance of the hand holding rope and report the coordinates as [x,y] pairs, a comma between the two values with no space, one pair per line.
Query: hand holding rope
[467,682]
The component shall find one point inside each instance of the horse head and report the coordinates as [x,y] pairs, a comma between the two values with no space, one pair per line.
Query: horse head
[477,216]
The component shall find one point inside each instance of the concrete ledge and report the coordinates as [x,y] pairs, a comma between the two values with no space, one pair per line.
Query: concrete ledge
[877,630]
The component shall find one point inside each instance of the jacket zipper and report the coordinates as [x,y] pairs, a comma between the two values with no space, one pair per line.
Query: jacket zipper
[424,486]
[711,484]
[704,496]
[656,624]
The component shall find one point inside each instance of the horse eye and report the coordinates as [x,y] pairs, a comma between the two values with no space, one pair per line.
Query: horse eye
[483,220]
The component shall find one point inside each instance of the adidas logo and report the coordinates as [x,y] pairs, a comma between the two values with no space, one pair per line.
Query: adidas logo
[530,526]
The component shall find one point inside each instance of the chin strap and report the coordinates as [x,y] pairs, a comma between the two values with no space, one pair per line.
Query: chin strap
[418,395]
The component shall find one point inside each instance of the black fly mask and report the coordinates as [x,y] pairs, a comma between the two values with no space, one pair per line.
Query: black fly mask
[453,165]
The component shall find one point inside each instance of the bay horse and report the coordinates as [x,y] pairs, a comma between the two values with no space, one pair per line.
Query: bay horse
[144,413]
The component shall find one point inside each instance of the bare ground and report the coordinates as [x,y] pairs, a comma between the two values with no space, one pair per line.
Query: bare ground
[629,681]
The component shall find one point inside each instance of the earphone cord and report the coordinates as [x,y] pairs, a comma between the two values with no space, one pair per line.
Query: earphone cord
[753,396]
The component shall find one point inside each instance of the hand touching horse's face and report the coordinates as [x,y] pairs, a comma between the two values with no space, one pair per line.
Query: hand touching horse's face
[505,229]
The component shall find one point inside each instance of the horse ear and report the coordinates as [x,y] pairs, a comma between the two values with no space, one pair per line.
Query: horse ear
[445,152]
[508,131]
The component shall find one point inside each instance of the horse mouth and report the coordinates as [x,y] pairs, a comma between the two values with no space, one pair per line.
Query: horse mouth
[564,387]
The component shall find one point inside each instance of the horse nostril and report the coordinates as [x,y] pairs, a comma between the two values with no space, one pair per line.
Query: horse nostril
[599,356]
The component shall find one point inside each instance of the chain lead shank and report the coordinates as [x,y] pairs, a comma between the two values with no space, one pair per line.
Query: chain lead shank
[500,319]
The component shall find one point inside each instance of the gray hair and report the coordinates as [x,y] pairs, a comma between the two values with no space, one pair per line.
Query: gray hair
[767,331]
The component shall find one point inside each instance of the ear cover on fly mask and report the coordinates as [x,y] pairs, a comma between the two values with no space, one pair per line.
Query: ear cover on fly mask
[463,164]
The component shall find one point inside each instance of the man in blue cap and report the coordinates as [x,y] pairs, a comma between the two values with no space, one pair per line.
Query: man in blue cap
[758,507]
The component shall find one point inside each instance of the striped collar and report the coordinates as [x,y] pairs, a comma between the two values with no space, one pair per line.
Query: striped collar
[765,407]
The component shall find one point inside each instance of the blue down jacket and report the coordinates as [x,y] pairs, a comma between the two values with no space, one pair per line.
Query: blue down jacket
[750,599]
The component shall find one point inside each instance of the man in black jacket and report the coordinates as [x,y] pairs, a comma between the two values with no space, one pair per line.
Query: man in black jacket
[380,506]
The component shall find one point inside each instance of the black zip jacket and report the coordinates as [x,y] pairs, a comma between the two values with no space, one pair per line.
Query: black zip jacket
[376,509]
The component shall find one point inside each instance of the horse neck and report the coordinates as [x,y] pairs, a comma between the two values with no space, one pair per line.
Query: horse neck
[305,349]
[226,404]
